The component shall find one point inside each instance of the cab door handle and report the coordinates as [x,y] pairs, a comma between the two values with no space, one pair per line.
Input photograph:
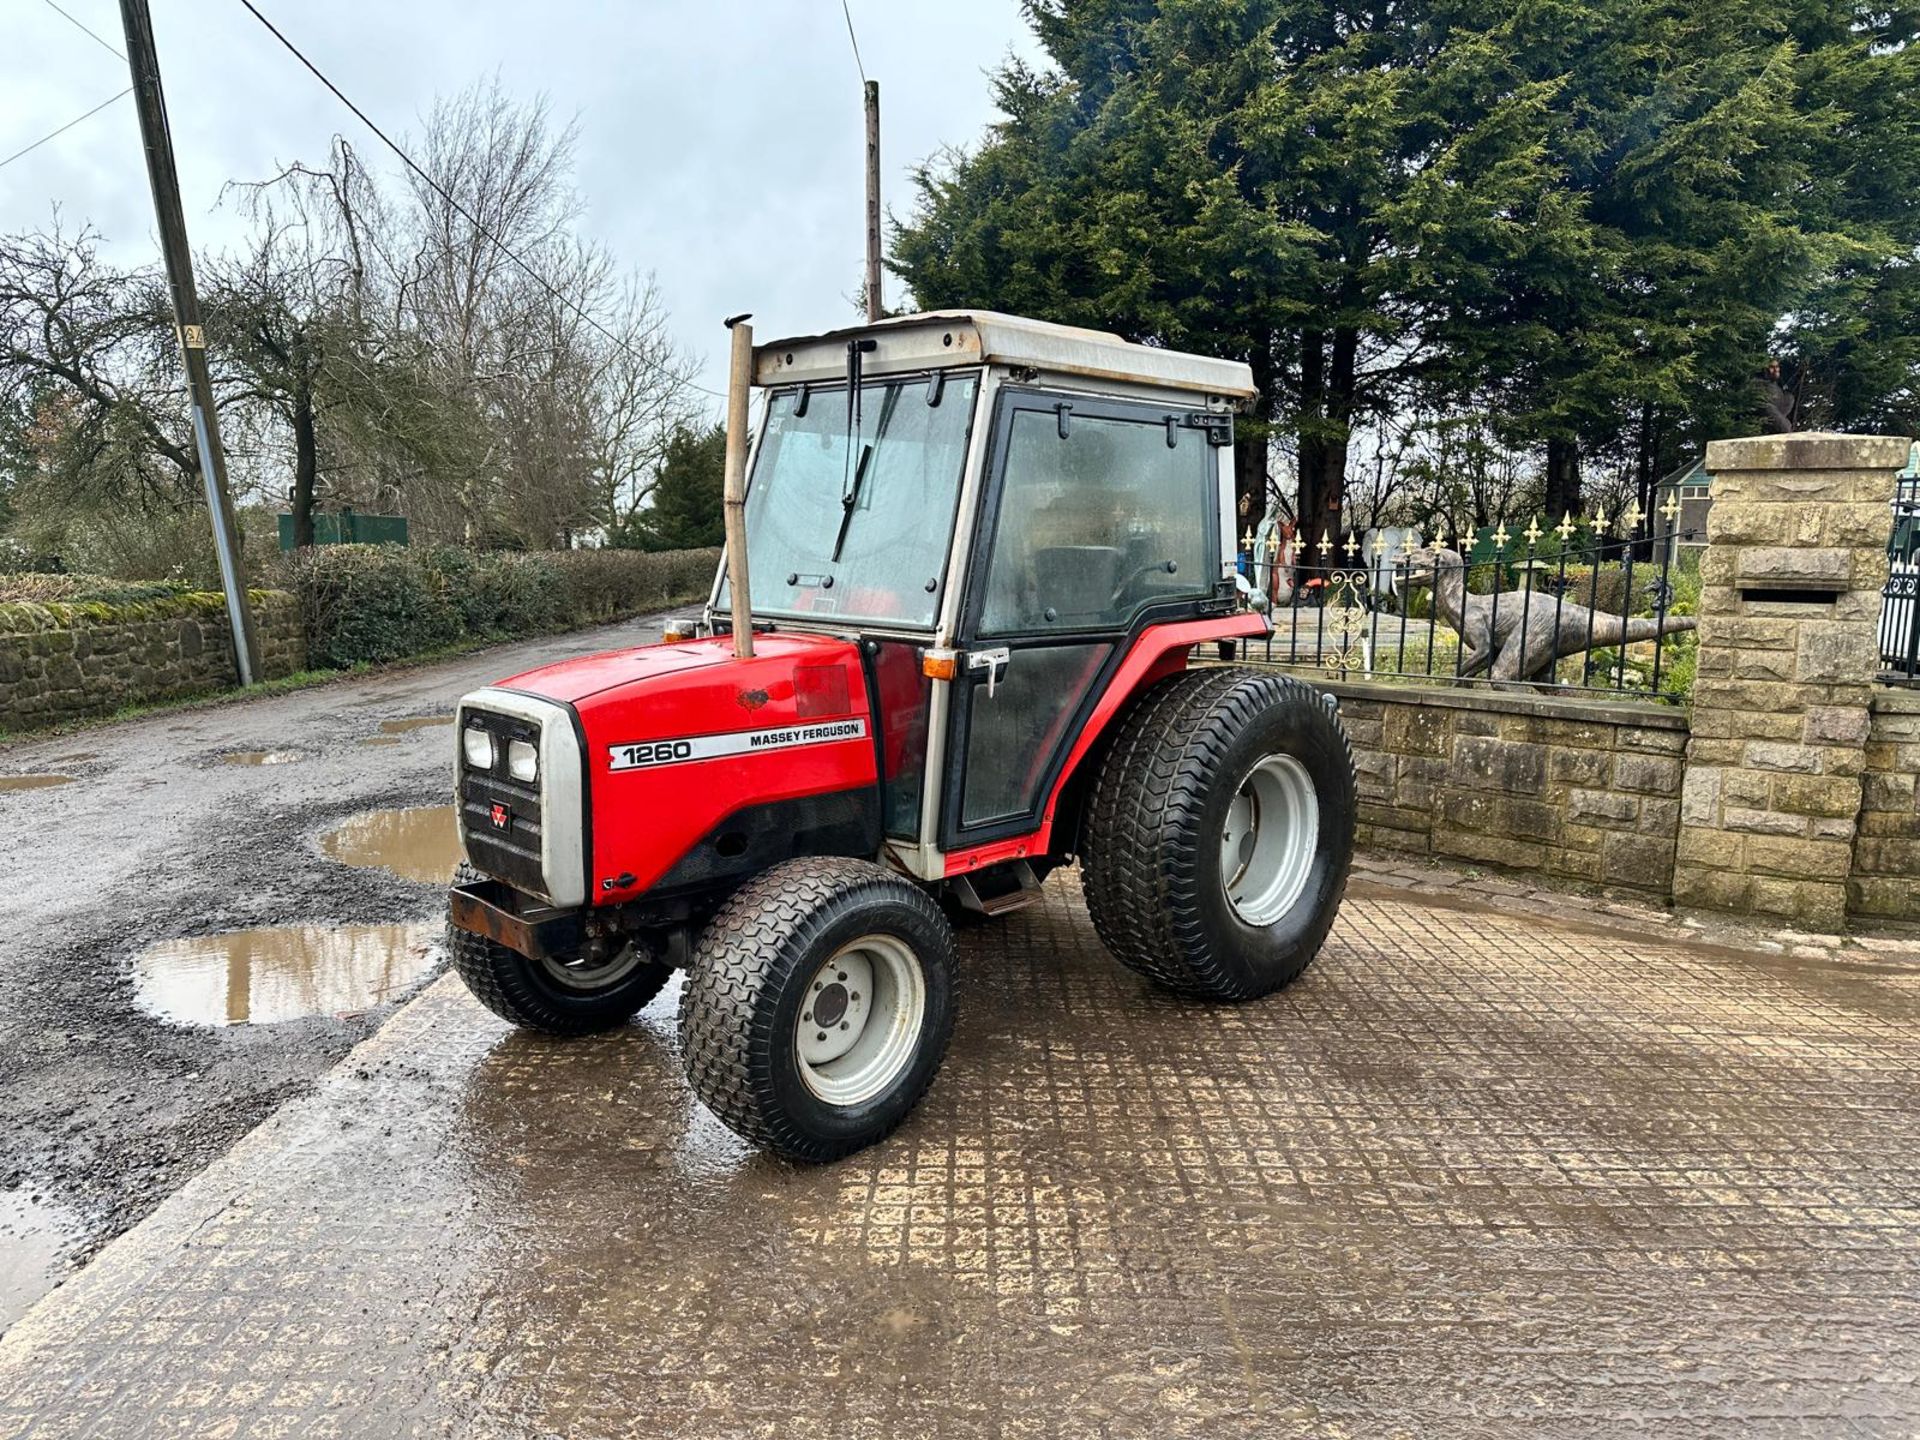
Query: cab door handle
[994,662]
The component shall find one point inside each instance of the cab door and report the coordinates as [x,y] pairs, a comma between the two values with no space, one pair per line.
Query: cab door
[1100,517]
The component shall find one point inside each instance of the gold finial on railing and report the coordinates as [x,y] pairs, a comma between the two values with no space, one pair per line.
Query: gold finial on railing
[1325,546]
[1500,536]
[1352,547]
[1246,540]
[1566,527]
[1630,518]
[1598,522]
[1440,530]
[1273,543]
[1379,543]
[1672,508]
[1406,541]
[1532,532]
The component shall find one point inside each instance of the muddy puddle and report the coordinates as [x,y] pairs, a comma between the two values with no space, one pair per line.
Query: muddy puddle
[255,977]
[34,1236]
[420,843]
[32,782]
[261,757]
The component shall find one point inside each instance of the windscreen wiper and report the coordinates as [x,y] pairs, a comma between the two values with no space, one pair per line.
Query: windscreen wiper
[850,496]
[851,499]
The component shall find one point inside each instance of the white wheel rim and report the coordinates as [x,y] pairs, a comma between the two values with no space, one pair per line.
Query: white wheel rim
[596,974]
[1268,840]
[859,1021]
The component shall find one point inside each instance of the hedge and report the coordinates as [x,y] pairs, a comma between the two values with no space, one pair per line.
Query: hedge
[373,603]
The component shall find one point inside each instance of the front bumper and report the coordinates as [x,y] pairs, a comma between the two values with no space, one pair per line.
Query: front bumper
[501,913]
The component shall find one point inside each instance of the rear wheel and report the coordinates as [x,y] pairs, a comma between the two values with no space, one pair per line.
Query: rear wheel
[573,995]
[818,1005]
[1219,833]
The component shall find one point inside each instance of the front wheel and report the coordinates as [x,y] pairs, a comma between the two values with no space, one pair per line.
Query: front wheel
[1220,832]
[572,995]
[818,1005]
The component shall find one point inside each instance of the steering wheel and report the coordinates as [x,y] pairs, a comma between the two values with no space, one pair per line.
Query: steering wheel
[1169,567]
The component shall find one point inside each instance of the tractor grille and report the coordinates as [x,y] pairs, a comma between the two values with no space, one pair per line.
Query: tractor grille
[511,853]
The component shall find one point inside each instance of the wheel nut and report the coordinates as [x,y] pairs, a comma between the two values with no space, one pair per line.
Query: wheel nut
[854,995]
[806,1017]
[821,1036]
[841,976]
[817,984]
[843,1024]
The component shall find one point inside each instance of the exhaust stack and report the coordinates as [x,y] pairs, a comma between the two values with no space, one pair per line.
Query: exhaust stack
[739,382]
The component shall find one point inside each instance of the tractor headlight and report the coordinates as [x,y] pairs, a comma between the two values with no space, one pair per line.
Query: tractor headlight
[523,761]
[477,745]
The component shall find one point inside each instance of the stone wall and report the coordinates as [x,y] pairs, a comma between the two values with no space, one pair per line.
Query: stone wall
[1570,789]
[1885,883]
[64,662]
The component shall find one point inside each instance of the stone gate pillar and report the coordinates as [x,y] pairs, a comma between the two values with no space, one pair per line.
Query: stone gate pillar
[1795,561]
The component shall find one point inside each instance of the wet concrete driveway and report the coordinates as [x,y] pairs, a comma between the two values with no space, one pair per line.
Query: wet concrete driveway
[1472,1176]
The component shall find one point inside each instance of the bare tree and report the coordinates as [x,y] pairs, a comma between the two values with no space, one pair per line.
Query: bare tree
[85,354]
[453,350]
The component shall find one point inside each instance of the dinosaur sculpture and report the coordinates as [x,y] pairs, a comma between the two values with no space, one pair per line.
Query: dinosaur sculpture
[1518,636]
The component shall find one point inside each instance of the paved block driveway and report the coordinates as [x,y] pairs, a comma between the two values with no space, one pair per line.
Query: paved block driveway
[1475,1175]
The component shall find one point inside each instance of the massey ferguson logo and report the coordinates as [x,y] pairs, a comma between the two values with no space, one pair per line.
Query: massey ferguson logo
[643,753]
[501,816]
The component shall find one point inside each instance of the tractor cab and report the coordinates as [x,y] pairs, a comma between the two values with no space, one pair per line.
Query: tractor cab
[951,655]
[999,510]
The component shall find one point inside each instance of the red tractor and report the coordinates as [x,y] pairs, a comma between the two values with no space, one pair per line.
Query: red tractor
[983,551]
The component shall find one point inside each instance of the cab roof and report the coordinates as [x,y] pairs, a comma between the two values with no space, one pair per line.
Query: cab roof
[942,338]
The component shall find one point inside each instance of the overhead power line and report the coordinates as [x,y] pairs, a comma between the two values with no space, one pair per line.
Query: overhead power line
[447,196]
[66,127]
[850,36]
[82,26]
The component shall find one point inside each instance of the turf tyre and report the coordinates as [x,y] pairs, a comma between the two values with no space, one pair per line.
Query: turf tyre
[1151,864]
[519,990]
[748,981]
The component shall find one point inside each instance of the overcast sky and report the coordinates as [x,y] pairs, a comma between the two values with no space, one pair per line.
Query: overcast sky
[720,140]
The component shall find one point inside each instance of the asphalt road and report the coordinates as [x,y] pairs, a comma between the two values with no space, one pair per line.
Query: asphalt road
[106,1108]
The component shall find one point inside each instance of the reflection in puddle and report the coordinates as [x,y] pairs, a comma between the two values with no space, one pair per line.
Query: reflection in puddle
[33,782]
[33,1233]
[259,976]
[261,757]
[416,844]
[381,740]
[413,722]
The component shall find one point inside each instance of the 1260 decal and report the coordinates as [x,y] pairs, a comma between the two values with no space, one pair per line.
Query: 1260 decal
[643,753]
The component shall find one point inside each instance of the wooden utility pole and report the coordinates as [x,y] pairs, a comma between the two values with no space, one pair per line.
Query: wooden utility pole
[172,223]
[873,200]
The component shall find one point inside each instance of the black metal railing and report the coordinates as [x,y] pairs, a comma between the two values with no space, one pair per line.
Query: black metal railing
[1900,624]
[1900,598]
[1579,606]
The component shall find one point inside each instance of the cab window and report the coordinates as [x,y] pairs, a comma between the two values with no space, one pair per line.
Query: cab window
[1104,509]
